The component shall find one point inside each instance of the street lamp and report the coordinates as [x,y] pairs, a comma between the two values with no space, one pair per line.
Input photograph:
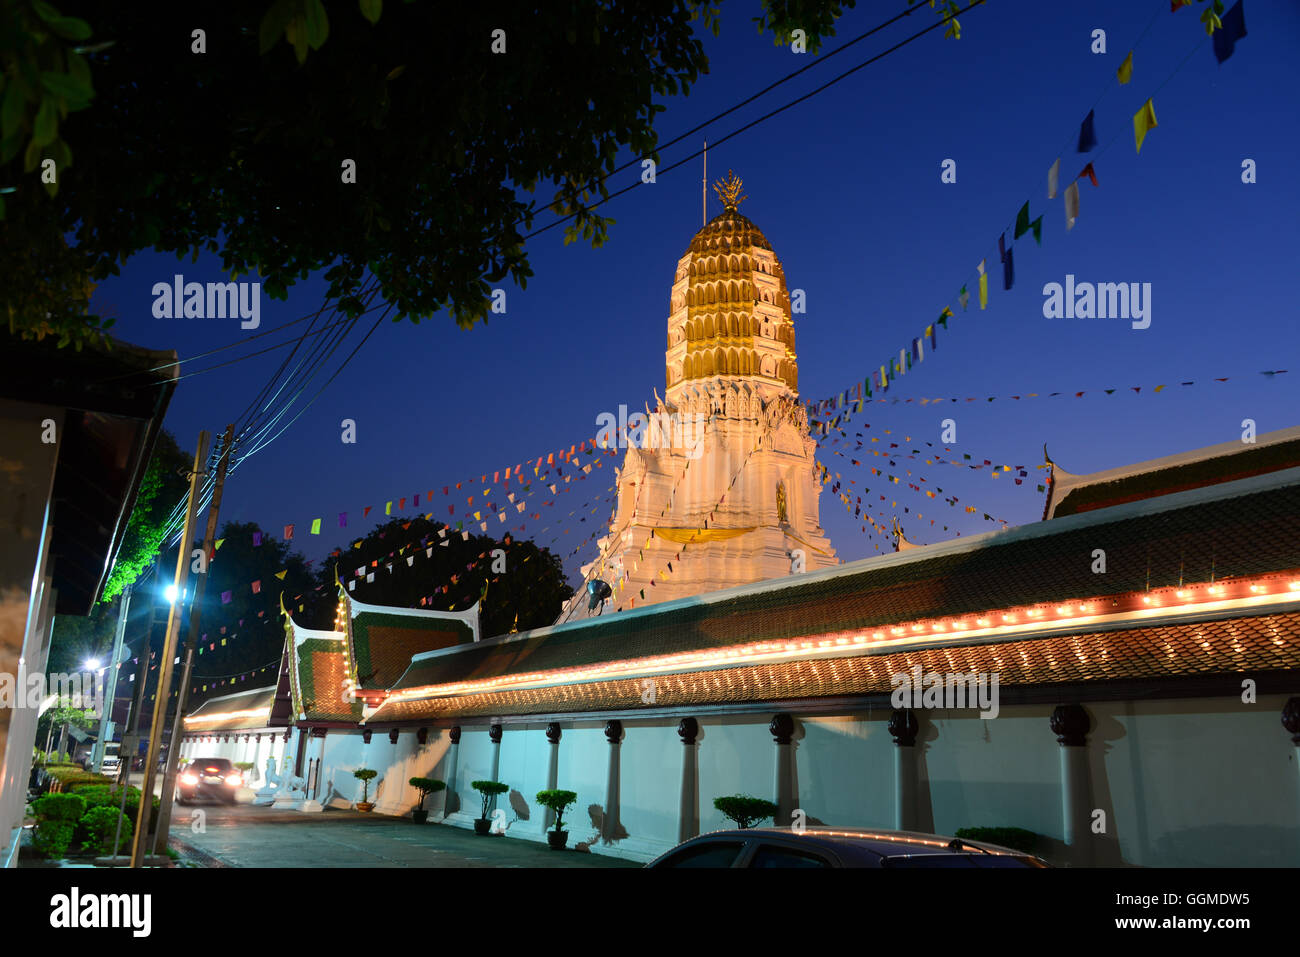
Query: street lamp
[170,594]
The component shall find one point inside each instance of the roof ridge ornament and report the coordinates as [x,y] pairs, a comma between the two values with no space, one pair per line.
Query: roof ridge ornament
[729,191]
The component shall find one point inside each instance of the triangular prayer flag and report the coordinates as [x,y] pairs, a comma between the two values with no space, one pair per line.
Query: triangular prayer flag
[343,519]
[1231,29]
[257,539]
[1037,227]
[1022,221]
[388,509]
[1089,172]
[1087,134]
[288,532]
[226,597]
[964,298]
[984,286]
[366,511]
[280,574]
[1144,120]
[1125,71]
[1008,270]
[315,526]
[257,587]
[218,543]
[1053,178]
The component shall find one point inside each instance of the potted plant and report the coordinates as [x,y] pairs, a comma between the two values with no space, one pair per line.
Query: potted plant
[745,810]
[489,790]
[365,775]
[557,801]
[425,786]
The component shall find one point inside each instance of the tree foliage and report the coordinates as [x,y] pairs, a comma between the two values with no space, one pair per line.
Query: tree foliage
[240,149]
[165,483]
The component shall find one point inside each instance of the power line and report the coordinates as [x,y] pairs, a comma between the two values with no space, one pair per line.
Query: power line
[762,119]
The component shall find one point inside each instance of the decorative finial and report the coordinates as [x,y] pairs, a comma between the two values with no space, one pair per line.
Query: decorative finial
[729,191]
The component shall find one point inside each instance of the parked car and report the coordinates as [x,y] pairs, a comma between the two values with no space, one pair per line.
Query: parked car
[213,779]
[821,846]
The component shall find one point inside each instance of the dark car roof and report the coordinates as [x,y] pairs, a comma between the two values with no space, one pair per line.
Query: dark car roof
[858,845]
[219,761]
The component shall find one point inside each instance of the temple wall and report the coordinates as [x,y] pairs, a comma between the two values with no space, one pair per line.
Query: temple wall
[1200,783]
[1187,782]
[999,772]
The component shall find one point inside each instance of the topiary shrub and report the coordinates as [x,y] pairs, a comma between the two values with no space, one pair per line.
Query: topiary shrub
[1016,838]
[100,824]
[427,786]
[557,801]
[744,809]
[489,790]
[365,776]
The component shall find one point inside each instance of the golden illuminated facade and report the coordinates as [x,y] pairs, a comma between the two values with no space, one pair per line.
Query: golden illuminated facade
[727,493]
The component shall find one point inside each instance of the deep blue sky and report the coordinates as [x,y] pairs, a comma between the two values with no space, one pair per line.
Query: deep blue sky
[847,188]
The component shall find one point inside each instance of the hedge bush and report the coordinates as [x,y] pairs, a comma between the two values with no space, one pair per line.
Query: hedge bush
[100,824]
[66,808]
[100,795]
[56,817]
[66,778]
[51,838]
[1016,838]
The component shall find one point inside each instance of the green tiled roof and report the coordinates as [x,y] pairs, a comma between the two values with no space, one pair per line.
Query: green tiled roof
[1247,535]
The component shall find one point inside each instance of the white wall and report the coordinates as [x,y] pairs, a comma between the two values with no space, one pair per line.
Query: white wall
[1197,783]
[1192,782]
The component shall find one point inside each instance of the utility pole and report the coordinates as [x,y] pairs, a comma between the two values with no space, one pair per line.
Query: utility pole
[140,840]
[106,719]
[131,737]
[191,640]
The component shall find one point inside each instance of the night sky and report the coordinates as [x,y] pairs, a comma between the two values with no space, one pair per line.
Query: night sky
[847,188]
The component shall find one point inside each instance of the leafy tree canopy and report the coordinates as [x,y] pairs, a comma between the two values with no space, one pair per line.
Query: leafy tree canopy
[241,149]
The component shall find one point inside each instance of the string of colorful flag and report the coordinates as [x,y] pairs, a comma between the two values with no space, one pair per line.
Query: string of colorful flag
[853,401]
[1225,31]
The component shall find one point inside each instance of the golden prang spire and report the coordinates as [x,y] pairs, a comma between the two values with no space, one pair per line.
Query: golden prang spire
[729,191]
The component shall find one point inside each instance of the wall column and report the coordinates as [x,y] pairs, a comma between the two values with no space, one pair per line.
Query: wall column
[1291,721]
[451,804]
[782,730]
[494,734]
[552,768]
[258,770]
[904,727]
[1070,723]
[688,810]
[614,735]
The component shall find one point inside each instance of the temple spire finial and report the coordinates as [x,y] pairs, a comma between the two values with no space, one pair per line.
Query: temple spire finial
[729,191]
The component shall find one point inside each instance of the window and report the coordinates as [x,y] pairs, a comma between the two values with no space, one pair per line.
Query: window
[769,855]
[710,854]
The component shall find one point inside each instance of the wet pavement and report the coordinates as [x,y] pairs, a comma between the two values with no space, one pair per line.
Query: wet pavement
[247,836]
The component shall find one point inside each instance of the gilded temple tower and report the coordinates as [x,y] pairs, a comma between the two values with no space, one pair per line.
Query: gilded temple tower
[723,490]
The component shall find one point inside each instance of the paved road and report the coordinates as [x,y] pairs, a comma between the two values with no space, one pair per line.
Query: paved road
[246,836]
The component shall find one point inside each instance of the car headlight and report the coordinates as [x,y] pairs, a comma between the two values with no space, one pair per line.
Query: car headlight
[234,780]
[189,779]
